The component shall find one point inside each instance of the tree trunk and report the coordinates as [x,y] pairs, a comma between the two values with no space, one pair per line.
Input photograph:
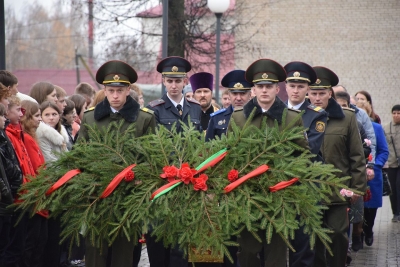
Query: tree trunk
[176,28]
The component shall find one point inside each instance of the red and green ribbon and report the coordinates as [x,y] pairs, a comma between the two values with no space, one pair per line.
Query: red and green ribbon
[209,162]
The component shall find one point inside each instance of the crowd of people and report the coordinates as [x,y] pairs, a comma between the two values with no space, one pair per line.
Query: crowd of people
[342,130]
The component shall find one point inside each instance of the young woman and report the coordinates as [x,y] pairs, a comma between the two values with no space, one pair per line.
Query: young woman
[43,91]
[36,232]
[68,118]
[365,97]
[52,137]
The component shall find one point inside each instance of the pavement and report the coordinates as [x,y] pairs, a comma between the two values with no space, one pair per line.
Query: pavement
[384,252]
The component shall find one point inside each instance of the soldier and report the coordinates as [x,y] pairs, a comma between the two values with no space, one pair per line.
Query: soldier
[173,107]
[239,93]
[341,147]
[265,74]
[202,86]
[299,76]
[116,76]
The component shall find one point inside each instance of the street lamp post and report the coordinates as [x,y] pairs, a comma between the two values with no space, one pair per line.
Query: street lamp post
[217,7]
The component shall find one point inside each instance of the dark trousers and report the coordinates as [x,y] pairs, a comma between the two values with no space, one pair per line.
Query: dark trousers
[5,225]
[158,254]
[394,179]
[250,248]
[369,220]
[122,253]
[14,250]
[36,238]
[335,219]
[52,248]
[78,252]
[304,255]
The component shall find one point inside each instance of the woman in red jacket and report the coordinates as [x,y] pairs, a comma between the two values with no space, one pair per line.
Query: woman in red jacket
[36,235]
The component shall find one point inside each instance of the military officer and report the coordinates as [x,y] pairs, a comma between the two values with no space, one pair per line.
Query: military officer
[202,86]
[116,76]
[341,147]
[173,107]
[239,94]
[299,76]
[265,74]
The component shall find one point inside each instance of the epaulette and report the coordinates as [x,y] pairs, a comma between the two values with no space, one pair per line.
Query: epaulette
[89,109]
[315,108]
[298,111]
[217,112]
[192,100]
[238,109]
[147,110]
[350,109]
[156,102]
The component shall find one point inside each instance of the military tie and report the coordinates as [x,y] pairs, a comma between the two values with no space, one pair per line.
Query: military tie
[179,108]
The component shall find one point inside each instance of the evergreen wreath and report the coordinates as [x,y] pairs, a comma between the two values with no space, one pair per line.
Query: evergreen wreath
[193,194]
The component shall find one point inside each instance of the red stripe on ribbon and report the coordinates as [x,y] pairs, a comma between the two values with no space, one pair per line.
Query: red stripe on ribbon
[281,185]
[256,172]
[162,188]
[212,162]
[115,181]
[65,178]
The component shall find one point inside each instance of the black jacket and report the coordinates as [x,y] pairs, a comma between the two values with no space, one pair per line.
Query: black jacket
[166,113]
[11,175]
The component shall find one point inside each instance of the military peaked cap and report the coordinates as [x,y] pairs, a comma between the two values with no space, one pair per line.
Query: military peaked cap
[116,73]
[265,71]
[300,72]
[325,78]
[174,67]
[235,81]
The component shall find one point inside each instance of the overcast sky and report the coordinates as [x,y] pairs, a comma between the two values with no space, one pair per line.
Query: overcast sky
[18,5]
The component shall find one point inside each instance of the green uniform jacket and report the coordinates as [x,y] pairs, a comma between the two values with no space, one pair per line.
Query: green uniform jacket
[342,147]
[102,116]
[274,113]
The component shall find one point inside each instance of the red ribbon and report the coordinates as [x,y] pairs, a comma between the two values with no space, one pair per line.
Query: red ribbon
[256,172]
[115,181]
[282,185]
[65,178]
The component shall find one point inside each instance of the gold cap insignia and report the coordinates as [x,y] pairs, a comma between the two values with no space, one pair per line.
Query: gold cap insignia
[318,81]
[174,69]
[264,76]
[238,85]
[296,74]
[116,77]
[320,126]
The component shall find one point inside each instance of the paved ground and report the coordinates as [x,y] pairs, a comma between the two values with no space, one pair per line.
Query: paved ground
[385,252]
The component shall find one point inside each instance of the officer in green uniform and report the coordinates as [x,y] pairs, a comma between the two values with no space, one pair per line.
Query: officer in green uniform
[265,74]
[341,147]
[299,76]
[116,76]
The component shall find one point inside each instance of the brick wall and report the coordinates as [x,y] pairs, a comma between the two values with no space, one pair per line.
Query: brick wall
[358,39]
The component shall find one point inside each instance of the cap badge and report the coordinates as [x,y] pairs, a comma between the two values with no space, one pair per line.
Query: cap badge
[116,77]
[174,69]
[238,85]
[264,76]
[318,81]
[296,74]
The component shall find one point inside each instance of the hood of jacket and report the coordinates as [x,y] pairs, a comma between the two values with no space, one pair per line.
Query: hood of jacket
[46,131]
[130,110]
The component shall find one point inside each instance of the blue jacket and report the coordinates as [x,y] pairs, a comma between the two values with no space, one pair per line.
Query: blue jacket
[218,123]
[381,156]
